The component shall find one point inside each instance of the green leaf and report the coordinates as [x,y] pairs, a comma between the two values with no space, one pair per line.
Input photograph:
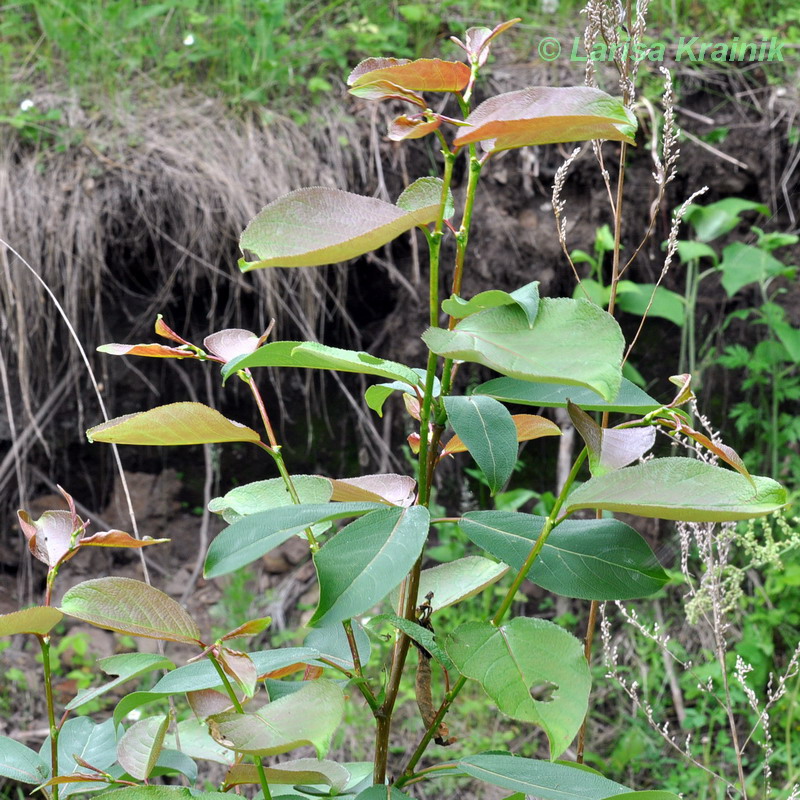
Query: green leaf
[458,580]
[140,746]
[172,761]
[252,498]
[540,778]
[533,670]
[546,115]
[20,763]
[92,743]
[419,634]
[366,560]
[173,424]
[714,220]
[572,341]
[526,297]
[129,606]
[592,559]
[125,666]
[310,227]
[39,620]
[610,448]
[486,428]
[630,399]
[421,75]
[377,394]
[424,191]
[253,536]
[196,742]
[743,264]
[681,489]
[666,304]
[693,251]
[307,717]
[202,675]
[312,355]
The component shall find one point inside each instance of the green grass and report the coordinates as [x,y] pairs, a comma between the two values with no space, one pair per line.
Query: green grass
[260,51]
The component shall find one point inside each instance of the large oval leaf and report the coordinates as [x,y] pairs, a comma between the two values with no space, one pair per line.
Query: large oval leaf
[308,716]
[592,559]
[458,580]
[255,535]
[173,424]
[630,399]
[548,114]
[366,560]
[310,227]
[422,75]
[534,670]
[129,606]
[313,355]
[486,428]
[681,489]
[540,778]
[253,498]
[571,341]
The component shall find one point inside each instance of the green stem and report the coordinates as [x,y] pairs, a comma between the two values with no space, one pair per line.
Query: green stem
[44,643]
[262,775]
[550,523]
[274,449]
[351,641]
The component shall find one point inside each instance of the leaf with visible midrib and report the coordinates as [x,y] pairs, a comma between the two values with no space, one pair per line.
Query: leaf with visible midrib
[311,227]
[546,115]
[681,489]
[255,535]
[129,606]
[366,560]
[312,355]
[630,399]
[593,559]
[511,661]
[486,428]
[173,424]
[308,716]
[572,341]
[540,778]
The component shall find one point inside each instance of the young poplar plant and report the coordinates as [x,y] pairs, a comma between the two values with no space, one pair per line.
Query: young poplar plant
[367,534]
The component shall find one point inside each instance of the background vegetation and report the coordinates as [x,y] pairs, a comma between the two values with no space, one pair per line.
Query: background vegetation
[135,105]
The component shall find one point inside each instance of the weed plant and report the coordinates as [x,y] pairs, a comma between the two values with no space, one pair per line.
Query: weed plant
[249,709]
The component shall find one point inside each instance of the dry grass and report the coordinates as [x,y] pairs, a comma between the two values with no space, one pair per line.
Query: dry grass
[143,215]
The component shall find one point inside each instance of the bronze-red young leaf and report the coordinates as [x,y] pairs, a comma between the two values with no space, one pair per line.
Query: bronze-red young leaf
[548,114]
[422,75]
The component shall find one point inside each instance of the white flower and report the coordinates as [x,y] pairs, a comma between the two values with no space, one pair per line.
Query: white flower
[188,40]
[27,104]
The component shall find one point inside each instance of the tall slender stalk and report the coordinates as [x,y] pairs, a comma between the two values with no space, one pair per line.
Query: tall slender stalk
[44,643]
[262,775]
[550,524]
